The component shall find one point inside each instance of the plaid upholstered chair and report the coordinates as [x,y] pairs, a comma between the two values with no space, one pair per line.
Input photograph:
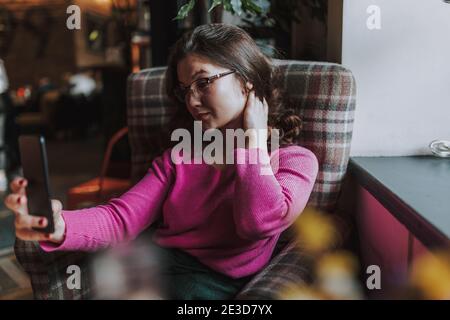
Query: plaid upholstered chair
[323,94]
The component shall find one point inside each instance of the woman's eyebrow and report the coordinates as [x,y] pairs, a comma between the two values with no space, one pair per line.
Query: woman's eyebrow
[198,72]
[201,71]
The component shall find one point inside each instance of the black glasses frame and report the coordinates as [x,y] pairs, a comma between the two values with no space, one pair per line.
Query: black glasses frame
[181,91]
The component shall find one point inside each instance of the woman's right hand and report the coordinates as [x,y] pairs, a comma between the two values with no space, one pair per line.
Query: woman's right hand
[16,201]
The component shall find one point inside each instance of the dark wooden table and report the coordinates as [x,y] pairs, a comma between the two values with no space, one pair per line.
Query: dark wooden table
[415,189]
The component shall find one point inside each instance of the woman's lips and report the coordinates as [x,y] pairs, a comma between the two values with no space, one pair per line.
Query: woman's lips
[202,115]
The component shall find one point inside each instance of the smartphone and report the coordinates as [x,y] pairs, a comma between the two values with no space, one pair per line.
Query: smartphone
[35,169]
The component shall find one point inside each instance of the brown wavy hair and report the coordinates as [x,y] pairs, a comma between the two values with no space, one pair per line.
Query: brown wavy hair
[231,47]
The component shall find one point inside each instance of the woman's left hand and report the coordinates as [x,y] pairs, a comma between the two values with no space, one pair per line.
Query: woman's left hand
[255,118]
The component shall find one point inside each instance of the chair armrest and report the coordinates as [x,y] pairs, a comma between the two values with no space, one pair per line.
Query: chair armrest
[107,157]
[48,271]
[290,266]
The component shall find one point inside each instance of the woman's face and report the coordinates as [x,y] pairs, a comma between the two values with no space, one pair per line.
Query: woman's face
[221,103]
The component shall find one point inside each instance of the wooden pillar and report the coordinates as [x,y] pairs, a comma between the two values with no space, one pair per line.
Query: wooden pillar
[163,30]
[334,31]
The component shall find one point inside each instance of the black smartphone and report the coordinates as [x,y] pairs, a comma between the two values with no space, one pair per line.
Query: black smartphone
[33,156]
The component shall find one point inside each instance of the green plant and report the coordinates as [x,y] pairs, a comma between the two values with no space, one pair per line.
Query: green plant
[267,19]
[236,7]
[270,13]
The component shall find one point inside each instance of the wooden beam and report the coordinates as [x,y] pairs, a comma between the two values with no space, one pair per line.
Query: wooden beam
[334,31]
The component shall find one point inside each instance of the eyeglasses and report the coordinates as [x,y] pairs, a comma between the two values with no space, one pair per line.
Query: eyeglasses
[197,86]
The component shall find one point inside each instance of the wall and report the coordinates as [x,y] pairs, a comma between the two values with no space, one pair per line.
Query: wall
[65,50]
[85,57]
[22,64]
[402,73]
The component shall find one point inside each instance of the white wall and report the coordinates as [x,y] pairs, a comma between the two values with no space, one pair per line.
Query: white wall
[402,73]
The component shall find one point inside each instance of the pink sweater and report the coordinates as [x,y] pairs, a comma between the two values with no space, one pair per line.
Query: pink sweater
[230,219]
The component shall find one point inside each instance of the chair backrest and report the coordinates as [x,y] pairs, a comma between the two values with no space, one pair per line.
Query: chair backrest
[323,94]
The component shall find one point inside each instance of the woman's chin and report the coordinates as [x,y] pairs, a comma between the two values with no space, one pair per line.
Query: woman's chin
[208,125]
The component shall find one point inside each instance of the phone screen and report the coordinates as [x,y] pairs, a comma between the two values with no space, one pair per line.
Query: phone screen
[35,169]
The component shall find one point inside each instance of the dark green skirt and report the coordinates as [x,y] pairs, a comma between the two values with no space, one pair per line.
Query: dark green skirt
[186,278]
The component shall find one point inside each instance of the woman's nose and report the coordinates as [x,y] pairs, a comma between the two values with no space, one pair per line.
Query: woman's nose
[193,101]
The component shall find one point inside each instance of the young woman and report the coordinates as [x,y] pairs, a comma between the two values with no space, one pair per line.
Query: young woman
[220,222]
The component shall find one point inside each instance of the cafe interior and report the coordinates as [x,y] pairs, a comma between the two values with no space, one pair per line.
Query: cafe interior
[84,75]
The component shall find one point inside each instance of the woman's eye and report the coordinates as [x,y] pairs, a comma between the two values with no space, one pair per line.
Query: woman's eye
[202,84]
